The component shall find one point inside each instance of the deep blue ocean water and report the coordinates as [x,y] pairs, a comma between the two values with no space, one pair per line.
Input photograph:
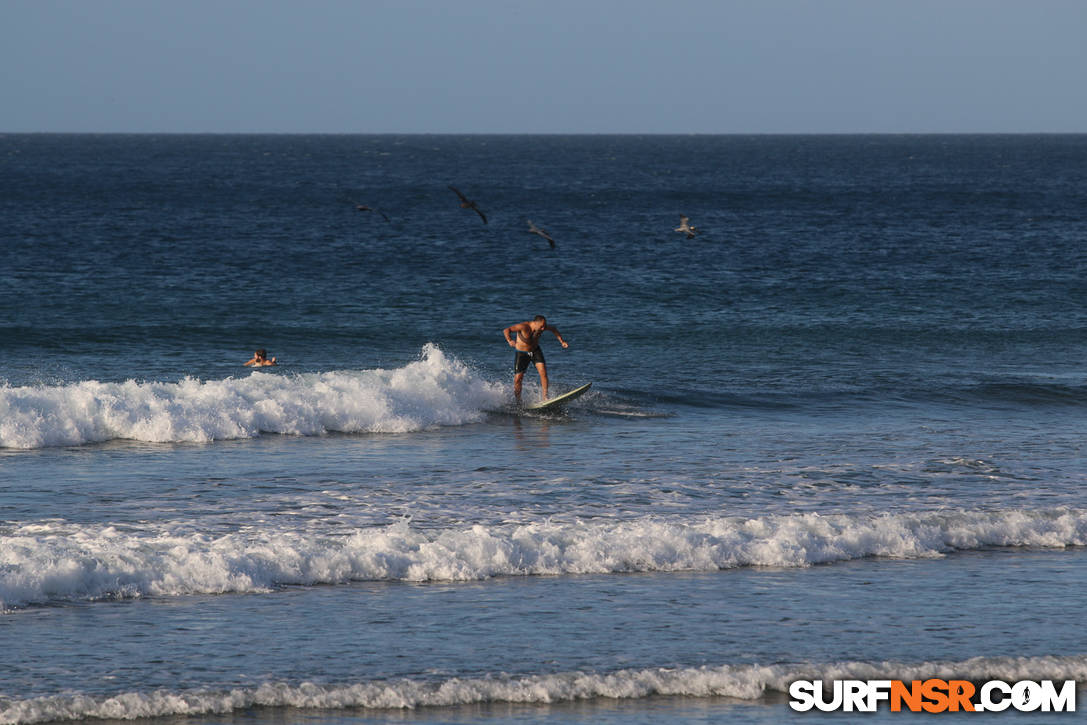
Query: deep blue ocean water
[839,433]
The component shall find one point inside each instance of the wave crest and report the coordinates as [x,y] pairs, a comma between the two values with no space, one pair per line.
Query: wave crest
[52,561]
[432,391]
[744,681]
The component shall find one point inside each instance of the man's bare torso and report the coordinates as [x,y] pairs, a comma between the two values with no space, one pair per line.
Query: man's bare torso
[528,339]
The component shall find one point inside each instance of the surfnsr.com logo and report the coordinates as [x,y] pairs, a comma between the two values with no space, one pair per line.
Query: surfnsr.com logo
[932,695]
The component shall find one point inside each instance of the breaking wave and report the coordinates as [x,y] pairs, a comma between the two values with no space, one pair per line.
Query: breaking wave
[749,682]
[433,391]
[51,562]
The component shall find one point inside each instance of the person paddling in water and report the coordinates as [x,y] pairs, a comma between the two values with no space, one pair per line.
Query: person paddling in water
[527,345]
[260,359]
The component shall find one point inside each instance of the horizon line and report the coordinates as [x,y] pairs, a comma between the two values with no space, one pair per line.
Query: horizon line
[542,133]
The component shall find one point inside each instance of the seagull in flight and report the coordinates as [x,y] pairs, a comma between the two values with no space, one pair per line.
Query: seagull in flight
[533,229]
[466,203]
[363,207]
[685,227]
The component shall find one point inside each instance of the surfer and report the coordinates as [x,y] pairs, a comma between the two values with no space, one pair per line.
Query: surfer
[527,345]
[260,359]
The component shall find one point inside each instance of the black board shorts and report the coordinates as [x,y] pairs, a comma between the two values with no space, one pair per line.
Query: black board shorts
[521,359]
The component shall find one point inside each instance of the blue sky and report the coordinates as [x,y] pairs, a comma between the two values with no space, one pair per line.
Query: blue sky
[545,66]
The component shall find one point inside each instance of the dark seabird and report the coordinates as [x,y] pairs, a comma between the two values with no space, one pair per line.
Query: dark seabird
[685,227]
[363,207]
[533,229]
[466,203]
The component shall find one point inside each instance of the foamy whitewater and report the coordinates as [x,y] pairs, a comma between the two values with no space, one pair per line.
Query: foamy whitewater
[738,682]
[434,391]
[839,434]
[49,562]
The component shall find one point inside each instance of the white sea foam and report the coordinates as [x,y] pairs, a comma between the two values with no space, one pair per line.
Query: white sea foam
[435,390]
[57,561]
[742,681]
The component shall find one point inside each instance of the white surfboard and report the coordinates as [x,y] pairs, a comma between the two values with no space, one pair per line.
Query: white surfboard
[559,400]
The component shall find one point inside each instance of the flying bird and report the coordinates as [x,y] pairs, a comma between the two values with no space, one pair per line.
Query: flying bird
[533,229]
[466,203]
[685,227]
[363,207]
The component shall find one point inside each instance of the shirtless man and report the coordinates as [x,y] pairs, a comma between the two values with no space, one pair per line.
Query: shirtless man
[528,350]
[260,359]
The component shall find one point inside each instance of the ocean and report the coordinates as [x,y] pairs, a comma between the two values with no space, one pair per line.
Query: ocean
[837,434]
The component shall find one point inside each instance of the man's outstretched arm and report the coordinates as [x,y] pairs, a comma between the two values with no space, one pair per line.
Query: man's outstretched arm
[557,335]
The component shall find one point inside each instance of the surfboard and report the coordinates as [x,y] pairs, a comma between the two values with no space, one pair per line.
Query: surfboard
[559,400]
